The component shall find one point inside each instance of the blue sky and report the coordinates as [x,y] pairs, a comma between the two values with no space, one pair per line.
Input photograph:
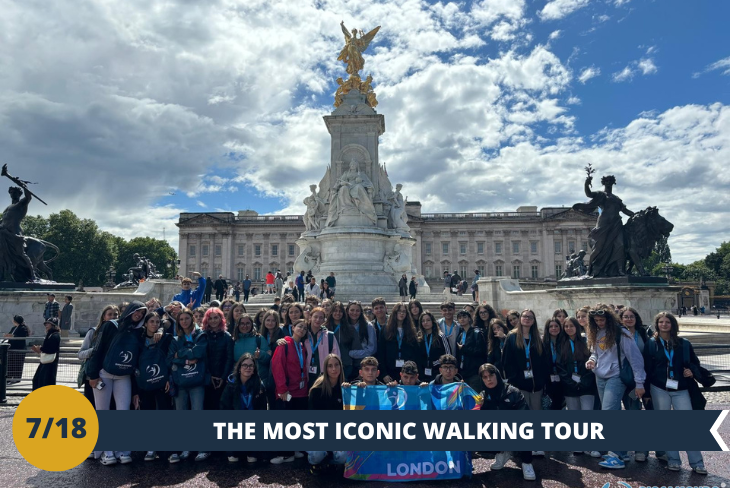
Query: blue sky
[488,105]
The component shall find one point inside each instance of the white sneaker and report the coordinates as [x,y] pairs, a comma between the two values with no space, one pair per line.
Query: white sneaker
[500,460]
[150,456]
[282,459]
[640,457]
[202,456]
[528,472]
[538,453]
[251,459]
[184,455]
[174,458]
[298,454]
[108,460]
[232,459]
[593,454]
[125,459]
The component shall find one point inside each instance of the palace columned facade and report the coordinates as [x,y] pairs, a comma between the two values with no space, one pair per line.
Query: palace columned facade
[526,244]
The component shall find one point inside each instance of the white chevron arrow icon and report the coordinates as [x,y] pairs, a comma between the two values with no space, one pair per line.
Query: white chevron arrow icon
[716,426]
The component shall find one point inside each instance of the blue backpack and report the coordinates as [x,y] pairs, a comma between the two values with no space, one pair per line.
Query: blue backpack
[152,371]
[190,375]
[123,354]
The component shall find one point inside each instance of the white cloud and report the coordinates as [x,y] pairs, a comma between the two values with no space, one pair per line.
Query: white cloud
[721,65]
[557,9]
[161,97]
[554,34]
[625,74]
[647,66]
[588,73]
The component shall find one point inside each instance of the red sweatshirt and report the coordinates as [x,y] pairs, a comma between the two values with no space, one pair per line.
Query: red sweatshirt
[285,365]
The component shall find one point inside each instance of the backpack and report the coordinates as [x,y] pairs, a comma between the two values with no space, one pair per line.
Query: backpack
[123,354]
[189,375]
[151,374]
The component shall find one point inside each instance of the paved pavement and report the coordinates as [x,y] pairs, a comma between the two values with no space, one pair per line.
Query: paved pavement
[556,470]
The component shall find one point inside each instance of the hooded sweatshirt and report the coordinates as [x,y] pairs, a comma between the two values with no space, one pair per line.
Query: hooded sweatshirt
[503,397]
[607,359]
[196,295]
[107,331]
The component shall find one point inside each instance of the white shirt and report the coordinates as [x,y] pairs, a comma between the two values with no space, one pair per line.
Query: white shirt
[312,289]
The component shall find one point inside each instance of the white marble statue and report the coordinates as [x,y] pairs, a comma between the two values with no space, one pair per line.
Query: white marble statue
[397,218]
[308,260]
[352,191]
[396,261]
[315,209]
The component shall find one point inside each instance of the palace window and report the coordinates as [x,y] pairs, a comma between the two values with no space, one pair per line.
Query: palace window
[497,270]
[205,249]
[240,249]
[534,271]
[498,249]
[480,248]
[533,247]
[427,246]
[516,272]
[257,249]
[558,247]
[192,251]
[444,248]
[217,249]
[274,249]
[516,247]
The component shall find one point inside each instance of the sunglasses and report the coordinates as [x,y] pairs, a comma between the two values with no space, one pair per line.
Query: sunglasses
[600,313]
[353,302]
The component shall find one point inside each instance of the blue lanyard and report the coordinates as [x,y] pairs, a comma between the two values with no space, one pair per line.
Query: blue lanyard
[463,337]
[399,336]
[300,353]
[572,349]
[670,357]
[336,329]
[527,352]
[453,324]
[428,346]
[636,337]
[189,338]
[246,399]
[315,346]
[555,354]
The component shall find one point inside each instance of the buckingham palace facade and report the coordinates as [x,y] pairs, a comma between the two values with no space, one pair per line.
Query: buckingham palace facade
[528,244]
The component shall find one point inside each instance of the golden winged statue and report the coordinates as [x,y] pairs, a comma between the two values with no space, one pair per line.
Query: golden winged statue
[351,54]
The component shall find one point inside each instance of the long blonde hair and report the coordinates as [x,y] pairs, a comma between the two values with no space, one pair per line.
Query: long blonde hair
[534,333]
[322,380]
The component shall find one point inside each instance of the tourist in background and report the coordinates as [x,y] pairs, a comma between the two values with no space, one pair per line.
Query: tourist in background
[49,351]
[64,322]
[413,288]
[16,352]
[475,286]
[331,282]
[403,287]
[278,283]
[246,288]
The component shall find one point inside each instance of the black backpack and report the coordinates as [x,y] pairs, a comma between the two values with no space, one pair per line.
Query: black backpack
[152,371]
[123,354]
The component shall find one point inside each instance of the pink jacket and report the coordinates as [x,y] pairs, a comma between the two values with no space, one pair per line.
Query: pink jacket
[324,347]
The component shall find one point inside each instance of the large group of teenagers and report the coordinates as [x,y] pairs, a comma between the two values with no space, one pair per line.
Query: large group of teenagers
[300,355]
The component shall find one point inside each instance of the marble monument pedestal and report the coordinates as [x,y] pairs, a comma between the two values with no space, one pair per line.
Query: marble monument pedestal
[367,261]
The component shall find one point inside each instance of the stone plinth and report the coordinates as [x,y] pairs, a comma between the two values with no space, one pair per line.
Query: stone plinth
[505,294]
[614,281]
[87,305]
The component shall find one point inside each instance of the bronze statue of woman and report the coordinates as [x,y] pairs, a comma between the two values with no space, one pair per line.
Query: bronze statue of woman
[608,256]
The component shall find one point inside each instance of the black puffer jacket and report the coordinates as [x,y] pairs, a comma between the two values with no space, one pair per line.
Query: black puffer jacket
[231,397]
[473,353]
[566,368]
[220,353]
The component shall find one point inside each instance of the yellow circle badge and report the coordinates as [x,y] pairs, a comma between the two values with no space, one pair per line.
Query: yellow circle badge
[55,428]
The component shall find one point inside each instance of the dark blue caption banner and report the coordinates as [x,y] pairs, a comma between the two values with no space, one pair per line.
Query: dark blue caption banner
[409,430]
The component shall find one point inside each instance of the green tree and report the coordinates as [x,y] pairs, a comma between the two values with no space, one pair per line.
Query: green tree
[660,255]
[86,252]
[35,226]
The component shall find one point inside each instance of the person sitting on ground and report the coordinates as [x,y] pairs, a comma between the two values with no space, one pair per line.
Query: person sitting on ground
[500,396]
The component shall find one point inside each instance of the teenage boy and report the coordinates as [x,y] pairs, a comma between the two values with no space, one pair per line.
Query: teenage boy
[448,371]
[188,297]
[408,376]
[276,305]
[381,317]
[447,324]
[369,373]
